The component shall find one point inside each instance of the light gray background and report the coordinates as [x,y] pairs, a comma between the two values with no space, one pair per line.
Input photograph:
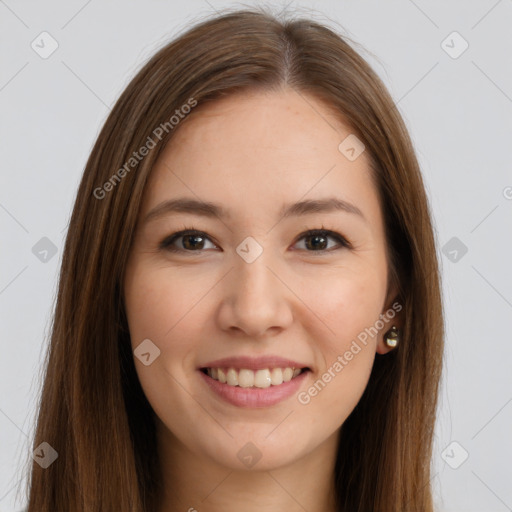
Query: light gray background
[459,113]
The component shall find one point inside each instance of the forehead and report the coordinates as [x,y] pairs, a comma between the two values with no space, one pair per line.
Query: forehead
[255,151]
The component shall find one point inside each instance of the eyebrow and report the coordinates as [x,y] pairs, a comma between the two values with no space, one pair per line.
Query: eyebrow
[208,209]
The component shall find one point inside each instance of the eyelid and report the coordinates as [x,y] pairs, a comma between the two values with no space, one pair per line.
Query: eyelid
[342,241]
[167,242]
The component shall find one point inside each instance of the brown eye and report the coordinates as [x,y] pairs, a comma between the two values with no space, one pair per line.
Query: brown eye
[317,240]
[191,241]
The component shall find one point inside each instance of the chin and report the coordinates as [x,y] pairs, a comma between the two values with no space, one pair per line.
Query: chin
[254,450]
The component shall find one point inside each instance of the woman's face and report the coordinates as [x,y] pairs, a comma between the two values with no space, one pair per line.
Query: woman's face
[250,286]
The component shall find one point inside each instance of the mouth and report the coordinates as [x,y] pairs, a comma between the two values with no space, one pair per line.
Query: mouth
[247,378]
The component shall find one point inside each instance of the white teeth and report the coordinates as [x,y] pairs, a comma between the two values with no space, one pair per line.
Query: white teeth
[277,376]
[246,378]
[262,379]
[232,377]
[287,374]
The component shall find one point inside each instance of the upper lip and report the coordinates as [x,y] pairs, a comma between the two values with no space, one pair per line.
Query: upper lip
[254,363]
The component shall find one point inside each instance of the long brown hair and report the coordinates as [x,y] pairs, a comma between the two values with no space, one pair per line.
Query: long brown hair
[92,409]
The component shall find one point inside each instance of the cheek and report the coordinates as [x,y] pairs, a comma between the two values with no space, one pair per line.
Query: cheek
[158,309]
[155,305]
[345,313]
[346,306]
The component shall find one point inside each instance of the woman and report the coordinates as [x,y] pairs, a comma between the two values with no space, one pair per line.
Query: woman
[249,313]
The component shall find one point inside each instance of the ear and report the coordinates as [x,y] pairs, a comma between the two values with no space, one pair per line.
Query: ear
[393,314]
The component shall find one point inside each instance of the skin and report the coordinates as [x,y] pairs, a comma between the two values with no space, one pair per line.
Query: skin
[252,153]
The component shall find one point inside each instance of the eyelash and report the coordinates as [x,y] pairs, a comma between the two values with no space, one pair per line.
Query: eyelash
[166,244]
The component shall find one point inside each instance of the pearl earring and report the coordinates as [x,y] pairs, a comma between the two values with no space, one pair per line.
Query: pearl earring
[391,338]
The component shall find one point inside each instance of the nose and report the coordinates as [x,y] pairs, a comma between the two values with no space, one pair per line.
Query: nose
[255,300]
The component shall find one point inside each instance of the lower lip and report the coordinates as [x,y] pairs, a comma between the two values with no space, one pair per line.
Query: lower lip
[255,397]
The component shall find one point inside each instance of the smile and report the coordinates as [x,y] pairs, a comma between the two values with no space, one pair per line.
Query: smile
[247,378]
[254,382]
